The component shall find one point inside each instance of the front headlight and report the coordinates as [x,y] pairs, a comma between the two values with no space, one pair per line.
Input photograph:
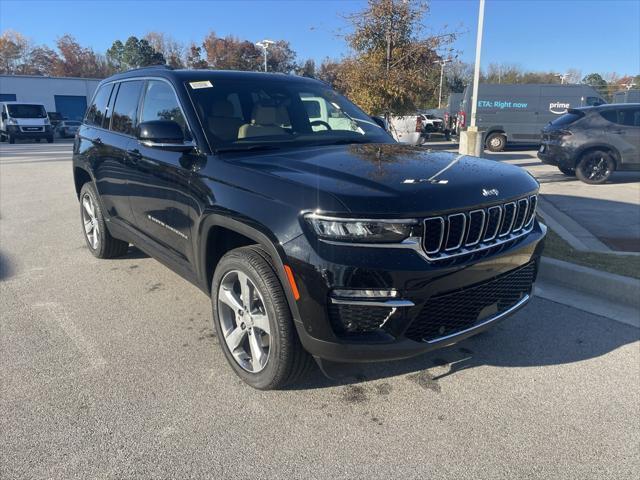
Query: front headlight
[12,121]
[360,230]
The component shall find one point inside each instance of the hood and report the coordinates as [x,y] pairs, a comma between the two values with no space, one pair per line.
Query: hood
[394,179]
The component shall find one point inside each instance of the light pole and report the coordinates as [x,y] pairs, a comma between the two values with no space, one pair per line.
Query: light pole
[562,77]
[471,139]
[265,44]
[442,64]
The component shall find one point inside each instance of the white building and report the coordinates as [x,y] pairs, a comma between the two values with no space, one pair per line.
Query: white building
[68,96]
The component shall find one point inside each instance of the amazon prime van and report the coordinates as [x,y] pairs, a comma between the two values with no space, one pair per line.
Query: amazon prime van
[24,120]
[516,113]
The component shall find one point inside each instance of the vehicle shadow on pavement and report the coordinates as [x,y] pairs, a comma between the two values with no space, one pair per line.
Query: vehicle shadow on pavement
[544,335]
[6,267]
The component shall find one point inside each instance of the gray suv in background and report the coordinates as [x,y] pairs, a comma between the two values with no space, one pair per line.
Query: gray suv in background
[593,142]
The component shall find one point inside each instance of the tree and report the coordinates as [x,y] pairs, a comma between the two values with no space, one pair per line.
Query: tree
[231,53]
[134,53]
[281,57]
[391,69]
[172,50]
[14,48]
[194,57]
[597,82]
[329,72]
[41,61]
[79,61]
[307,69]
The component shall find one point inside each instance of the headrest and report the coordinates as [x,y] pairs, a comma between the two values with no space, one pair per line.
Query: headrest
[264,115]
[222,108]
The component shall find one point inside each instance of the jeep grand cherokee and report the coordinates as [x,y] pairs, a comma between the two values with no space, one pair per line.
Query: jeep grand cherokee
[316,238]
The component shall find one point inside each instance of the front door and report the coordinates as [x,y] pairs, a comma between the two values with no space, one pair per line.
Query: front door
[159,188]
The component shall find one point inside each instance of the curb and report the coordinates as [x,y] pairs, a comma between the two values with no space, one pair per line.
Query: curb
[603,293]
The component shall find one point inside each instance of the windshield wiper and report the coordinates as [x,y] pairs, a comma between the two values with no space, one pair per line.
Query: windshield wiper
[247,148]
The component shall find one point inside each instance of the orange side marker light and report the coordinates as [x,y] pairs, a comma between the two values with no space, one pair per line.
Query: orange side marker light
[292,282]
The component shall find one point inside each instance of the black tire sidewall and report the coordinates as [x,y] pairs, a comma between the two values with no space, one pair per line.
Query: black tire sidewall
[583,176]
[503,142]
[280,321]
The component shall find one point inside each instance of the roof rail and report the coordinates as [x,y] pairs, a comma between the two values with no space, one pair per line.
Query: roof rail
[160,65]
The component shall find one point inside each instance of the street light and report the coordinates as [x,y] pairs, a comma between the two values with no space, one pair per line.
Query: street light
[471,139]
[441,63]
[264,45]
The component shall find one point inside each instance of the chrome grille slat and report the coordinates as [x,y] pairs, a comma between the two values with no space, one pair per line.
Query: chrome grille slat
[448,245]
[465,233]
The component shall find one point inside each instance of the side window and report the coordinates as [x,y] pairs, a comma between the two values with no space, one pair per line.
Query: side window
[594,101]
[160,103]
[126,107]
[610,115]
[96,112]
[629,117]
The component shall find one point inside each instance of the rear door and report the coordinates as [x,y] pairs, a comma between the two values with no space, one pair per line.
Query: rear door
[159,189]
[623,130]
[110,144]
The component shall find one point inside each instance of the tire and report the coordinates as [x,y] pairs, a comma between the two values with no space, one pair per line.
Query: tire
[569,172]
[38,140]
[49,139]
[2,139]
[12,139]
[496,142]
[284,359]
[100,242]
[595,167]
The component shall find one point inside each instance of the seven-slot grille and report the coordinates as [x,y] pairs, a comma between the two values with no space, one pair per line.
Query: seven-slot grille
[461,233]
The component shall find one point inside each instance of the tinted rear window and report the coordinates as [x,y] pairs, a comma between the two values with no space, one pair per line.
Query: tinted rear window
[624,116]
[26,111]
[96,112]
[567,119]
[125,109]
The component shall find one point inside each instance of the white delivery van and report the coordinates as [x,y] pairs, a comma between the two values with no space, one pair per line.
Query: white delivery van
[20,120]
[414,129]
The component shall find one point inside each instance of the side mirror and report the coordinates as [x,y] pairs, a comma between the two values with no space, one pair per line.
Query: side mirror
[163,134]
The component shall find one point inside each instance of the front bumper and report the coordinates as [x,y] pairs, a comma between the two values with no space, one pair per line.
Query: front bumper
[416,280]
[17,132]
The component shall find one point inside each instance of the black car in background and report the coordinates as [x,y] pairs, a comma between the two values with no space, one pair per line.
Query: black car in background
[593,142]
[314,238]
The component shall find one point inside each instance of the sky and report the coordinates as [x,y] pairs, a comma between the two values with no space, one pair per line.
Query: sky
[549,35]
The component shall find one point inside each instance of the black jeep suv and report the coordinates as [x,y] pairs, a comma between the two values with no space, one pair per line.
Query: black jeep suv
[315,234]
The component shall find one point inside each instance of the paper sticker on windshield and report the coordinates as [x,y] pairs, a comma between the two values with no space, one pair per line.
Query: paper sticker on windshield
[203,84]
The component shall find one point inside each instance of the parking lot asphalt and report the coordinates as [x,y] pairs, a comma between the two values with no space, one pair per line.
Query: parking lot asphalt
[610,212]
[110,369]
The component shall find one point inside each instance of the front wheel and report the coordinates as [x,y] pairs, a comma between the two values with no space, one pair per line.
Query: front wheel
[12,139]
[595,167]
[49,139]
[253,321]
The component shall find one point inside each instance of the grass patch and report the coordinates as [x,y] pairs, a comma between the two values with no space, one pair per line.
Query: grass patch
[627,265]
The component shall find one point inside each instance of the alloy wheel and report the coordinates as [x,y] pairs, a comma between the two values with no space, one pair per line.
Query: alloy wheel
[244,321]
[597,168]
[90,221]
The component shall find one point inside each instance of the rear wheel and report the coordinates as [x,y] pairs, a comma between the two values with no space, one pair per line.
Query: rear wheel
[49,139]
[496,142]
[99,240]
[595,167]
[253,321]
[12,139]
[569,172]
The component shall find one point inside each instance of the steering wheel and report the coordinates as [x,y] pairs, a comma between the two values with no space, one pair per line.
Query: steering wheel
[317,123]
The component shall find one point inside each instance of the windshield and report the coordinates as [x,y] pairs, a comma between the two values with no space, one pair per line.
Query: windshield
[26,111]
[242,115]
